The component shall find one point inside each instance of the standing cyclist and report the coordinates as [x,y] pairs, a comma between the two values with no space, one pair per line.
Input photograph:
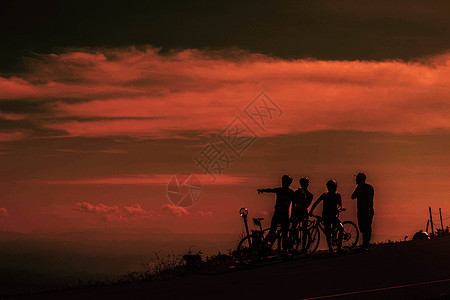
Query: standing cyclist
[285,195]
[302,200]
[364,194]
[332,202]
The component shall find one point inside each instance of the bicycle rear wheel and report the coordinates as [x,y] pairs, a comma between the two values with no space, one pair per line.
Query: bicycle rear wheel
[350,235]
[250,246]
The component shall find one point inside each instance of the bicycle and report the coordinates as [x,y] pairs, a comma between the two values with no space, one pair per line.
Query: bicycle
[254,245]
[345,240]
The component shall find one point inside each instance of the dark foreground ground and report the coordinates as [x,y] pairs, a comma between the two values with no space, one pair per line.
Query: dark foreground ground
[419,270]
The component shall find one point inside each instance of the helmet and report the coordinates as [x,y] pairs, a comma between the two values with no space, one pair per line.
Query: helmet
[286,180]
[304,181]
[332,184]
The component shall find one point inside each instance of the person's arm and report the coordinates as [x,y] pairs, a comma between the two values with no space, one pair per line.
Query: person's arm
[309,198]
[294,196]
[339,201]
[371,195]
[356,193]
[267,190]
[315,204]
[292,202]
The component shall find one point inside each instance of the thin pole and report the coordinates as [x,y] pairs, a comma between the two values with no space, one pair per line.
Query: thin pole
[431,222]
[440,215]
[247,231]
[428,223]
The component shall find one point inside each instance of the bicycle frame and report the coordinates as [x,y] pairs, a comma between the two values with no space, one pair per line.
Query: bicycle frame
[318,222]
[334,237]
[261,233]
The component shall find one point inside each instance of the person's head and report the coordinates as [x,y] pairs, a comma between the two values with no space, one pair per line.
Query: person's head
[304,182]
[286,180]
[360,178]
[332,186]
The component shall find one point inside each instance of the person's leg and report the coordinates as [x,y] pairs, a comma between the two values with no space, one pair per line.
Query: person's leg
[284,230]
[328,233]
[295,218]
[364,223]
[304,223]
[368,233]
[270,237]
[361,226]
[339,230]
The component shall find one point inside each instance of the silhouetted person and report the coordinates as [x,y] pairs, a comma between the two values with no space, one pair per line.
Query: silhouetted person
[364,194]
[301,203]
[332,202]
[285,195]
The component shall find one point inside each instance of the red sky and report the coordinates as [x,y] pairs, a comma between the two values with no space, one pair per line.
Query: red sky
[91,137]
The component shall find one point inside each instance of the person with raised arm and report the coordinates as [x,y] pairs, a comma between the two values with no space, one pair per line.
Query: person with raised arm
[285,195]
[332,203]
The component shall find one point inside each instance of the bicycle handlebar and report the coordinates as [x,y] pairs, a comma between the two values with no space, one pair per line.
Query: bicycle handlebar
[316,216]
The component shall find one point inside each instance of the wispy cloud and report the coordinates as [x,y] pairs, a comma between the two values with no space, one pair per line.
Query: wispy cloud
[170,209]
[128,213]
[11,136]
[134,210]
[96,209]
[112,213]
[146,179]
[203,213]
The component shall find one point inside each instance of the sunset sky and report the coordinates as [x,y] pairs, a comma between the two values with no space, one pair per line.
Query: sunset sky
[102,104]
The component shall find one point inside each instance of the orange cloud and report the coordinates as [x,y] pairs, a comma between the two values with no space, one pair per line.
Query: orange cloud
[11,136]
[96,209]
[204,213]
[113,213]
[9,116]
[174,210]
[134,210]
[139,92]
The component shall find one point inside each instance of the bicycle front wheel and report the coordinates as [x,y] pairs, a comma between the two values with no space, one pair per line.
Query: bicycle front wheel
[350,235]
[302,241]
[314,234]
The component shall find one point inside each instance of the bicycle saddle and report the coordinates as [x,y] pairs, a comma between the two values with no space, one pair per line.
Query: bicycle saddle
[257,221]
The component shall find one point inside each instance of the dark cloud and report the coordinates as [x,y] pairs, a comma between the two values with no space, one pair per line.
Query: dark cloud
[289,29]
[90,119]
[15,124]
[19,106]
